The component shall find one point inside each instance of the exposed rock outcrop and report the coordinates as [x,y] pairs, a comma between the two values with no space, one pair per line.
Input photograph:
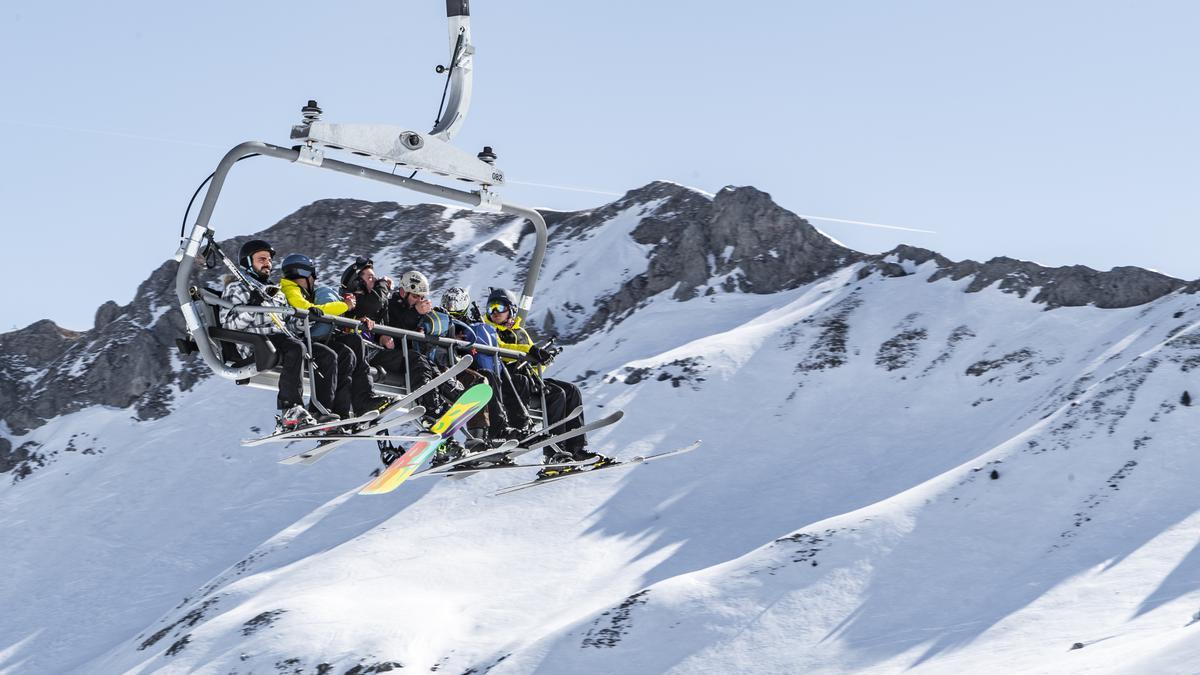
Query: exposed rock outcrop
[739,239]
[1073,286]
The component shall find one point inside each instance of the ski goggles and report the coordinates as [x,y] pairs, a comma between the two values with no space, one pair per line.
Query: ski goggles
[498,307]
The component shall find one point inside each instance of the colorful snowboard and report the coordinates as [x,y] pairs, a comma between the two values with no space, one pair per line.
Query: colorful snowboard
[471,402]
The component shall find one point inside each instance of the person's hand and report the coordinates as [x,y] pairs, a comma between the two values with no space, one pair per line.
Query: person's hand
[387,342]
[539,356]
[350,301]
[423,306]
[368,324]
[315,312]
[386,281]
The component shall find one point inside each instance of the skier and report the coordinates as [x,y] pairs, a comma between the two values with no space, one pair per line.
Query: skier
[256,260]
[353,393]
[561,396]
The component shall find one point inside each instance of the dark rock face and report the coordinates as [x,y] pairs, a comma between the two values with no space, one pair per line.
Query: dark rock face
[129,358]
[1073,286]
[125,361]
[739,236]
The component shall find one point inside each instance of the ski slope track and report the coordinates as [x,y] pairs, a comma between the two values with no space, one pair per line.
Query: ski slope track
[904,470]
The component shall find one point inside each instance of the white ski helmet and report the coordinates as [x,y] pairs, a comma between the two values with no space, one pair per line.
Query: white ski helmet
[414,282]
[456,300]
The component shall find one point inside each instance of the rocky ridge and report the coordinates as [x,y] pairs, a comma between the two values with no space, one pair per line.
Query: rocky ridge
[1069,286]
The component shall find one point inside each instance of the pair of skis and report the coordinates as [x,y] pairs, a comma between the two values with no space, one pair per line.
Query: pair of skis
[584,470]
[512,449]
[330,440]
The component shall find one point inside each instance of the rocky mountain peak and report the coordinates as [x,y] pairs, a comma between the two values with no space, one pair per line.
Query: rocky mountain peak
[738,240]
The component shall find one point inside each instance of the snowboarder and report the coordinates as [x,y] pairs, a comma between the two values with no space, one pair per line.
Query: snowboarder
[561,397]
[371,297]
[373,300]
[256,260]
[353,393]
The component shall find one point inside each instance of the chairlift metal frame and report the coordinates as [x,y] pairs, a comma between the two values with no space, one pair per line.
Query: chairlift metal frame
[393,145]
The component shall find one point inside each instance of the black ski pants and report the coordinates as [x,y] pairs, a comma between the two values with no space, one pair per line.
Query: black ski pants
[353,392]
[291,361]
[561,398]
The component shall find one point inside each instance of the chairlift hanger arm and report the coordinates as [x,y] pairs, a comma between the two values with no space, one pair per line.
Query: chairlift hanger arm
[462,53]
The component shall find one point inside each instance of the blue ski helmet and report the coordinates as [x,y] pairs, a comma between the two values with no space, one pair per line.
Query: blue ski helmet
[298,265]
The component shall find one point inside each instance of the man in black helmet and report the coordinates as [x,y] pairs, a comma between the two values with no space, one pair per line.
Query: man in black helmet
[372,302]
[257,260]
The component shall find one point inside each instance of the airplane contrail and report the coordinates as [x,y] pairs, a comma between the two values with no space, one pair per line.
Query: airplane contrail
[832,220]
[606,193]
[859,222]
[563,187]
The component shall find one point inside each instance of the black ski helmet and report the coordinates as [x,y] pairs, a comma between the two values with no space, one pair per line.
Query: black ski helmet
[352,277]
[246,256]
[298,265]
[502,296]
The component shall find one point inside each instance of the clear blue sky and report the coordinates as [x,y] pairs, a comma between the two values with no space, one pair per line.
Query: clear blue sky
[1060,132]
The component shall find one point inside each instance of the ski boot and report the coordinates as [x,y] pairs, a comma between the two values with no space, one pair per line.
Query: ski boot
[499,436]
[389,453]
[323,418]
[380,403]
[555,472]
[448,451]
[475,446]
[598,460]
[296,418]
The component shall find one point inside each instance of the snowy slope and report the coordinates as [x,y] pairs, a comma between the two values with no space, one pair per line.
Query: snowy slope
[840,516]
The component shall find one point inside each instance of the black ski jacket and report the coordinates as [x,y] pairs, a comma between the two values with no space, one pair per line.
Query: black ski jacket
[400,315]
[371,305]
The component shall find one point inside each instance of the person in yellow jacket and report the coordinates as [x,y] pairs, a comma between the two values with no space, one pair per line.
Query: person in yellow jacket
[561,396]
[352,393]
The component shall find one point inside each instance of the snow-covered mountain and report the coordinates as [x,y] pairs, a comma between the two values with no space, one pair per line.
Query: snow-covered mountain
[908,464]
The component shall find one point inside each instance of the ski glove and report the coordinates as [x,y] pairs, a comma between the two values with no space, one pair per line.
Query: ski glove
[315,312]
[539,356]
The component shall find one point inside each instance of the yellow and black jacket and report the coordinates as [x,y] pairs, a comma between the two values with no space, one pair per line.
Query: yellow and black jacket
[299,299]
[513,337]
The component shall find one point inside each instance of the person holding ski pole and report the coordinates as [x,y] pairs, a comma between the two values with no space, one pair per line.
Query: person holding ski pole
[256,262]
